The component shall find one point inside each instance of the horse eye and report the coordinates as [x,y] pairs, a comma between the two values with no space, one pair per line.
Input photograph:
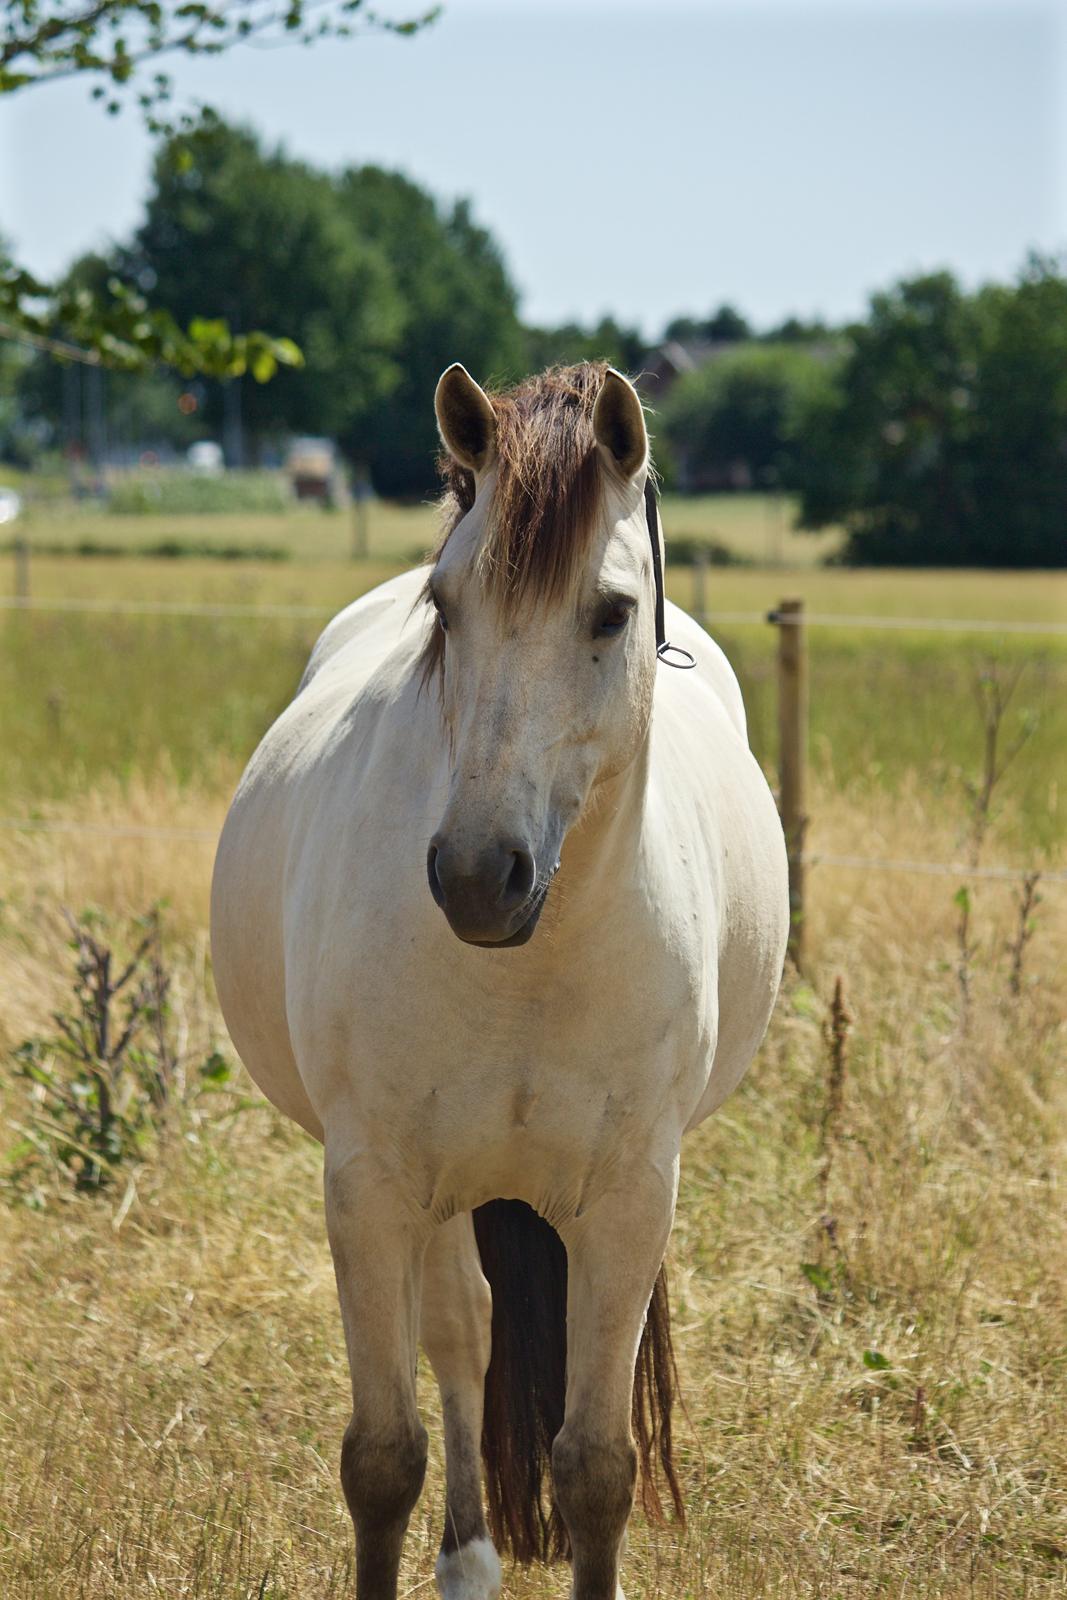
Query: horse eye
[441,618]
[613,621]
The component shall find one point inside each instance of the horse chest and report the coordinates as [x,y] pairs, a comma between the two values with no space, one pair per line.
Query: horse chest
[533,1125]
[479,1084]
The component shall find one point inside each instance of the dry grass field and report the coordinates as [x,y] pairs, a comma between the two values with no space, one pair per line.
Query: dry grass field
[870,1313]
[868,1267]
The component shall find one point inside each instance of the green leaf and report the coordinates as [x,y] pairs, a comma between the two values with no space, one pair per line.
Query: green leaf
[216,1069]
[287,352]
[818,1277]
[875,1361]
[209,330]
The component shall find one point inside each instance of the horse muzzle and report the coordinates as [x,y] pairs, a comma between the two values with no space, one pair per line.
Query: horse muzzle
[493,897]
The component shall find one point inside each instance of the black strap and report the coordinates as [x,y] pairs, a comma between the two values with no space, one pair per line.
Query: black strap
[672,655]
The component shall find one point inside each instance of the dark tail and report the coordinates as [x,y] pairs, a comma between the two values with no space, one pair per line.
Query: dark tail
[526,1265]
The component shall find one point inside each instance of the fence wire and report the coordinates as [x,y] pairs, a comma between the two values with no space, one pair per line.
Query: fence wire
[820,619]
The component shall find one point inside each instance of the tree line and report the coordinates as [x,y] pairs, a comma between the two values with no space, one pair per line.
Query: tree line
[934,431]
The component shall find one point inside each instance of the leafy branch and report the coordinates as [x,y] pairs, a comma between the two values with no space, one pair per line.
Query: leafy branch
[120,330]
[113,43]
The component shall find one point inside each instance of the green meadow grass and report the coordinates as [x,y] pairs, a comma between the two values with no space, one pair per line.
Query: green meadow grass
[307,533]
[329,580]
[84,697]
[753,528]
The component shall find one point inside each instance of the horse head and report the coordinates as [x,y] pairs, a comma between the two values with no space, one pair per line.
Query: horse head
[544,640]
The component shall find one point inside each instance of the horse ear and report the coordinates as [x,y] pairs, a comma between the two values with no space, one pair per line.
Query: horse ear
[619,424]
[465,419]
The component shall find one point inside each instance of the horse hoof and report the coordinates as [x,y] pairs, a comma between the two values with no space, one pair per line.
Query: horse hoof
[470,1573]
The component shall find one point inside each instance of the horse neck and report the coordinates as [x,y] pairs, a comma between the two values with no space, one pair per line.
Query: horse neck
[599,852]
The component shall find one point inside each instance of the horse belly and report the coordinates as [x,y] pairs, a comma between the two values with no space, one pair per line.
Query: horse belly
[751,944]
[248,958]
[316,747]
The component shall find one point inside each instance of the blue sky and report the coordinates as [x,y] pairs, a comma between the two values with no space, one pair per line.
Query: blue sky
[639,158]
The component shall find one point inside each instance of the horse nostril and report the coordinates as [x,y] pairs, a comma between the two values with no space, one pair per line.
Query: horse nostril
[476,890]
[521,879]
[431,873]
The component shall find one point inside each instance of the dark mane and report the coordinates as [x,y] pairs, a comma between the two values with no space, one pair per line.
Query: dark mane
[547,489]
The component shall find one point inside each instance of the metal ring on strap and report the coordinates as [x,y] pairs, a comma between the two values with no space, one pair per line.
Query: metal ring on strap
[675,655]
[672,655]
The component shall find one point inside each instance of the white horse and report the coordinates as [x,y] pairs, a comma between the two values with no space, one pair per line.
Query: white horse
[501,1091]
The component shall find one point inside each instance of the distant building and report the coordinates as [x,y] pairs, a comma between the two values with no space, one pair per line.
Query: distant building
[667,362]
[660,371]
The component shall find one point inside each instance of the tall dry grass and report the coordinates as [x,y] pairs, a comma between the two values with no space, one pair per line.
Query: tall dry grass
[870,1308]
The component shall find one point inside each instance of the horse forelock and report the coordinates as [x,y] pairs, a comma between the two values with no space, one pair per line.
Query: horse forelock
[547,487]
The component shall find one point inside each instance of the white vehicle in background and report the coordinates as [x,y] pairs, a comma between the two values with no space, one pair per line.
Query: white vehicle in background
[314,471]
[10,505]
[206,458]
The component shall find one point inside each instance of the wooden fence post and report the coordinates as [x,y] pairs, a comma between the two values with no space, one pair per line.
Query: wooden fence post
[360,541]
[700,596]
[793,757]
[361,498]
[22,568]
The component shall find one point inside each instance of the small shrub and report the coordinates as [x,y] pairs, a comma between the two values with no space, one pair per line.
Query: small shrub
[683,549]
[111,1078]
[198,549]
[173,549]
[187,493]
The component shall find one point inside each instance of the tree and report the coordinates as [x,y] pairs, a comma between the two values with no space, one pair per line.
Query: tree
[887,453]
[685,329]
[1019,423]
[252,237]
[457,302]
[12,361]
[114,45]
[724,326]
[794,330]
[944,441]
[381,287]
[608,340]
[735,420]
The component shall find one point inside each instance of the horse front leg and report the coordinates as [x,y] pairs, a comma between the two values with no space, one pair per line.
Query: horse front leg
[457,1310]
[614,1252]
[377,1245]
